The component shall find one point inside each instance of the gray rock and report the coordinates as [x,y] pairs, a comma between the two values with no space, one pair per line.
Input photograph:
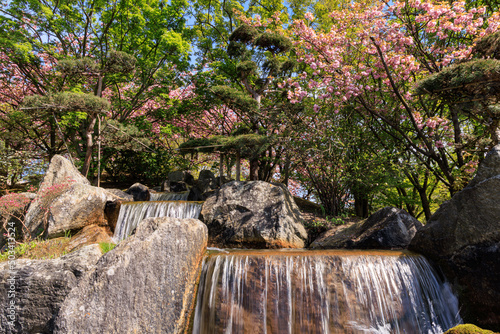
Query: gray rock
[60,175]
[112,211]
[388,228]
[40,288]
[139,192]
[177,187]
[178,181]
[255,214]
[475,269]
[176,176]
[180,176]
[463,237]
[471,217]
[144,285]
[79,206]
[206,181]
[201,187]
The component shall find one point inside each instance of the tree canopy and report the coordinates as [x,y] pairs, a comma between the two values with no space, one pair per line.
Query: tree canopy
[355,105]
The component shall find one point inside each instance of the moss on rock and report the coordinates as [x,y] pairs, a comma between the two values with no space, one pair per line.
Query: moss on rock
[468,329]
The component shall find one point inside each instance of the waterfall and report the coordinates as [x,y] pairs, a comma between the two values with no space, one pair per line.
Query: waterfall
[167,196]
[132,213]
[322,292]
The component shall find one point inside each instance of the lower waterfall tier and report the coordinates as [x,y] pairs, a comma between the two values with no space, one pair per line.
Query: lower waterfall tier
[322,292]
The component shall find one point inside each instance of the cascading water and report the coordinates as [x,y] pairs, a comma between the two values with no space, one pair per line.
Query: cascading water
[167,196]
[322,292]
[132,213]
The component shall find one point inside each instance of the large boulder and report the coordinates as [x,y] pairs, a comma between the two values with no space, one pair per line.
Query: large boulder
[145,284]
[139,192]
[254,214]
[38,288]
[388,228]
[463,237]
[60,175]
[77,207]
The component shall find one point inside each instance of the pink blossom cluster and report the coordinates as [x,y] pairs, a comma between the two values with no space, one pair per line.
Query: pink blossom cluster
[47,195]
[345,62]
[13,202]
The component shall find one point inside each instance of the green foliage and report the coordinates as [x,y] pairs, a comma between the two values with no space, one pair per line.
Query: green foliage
[249,145]
[119,62]
[68,101]
[453,81]
[17,164]
[488,46]
[337,221]
[148,167]
[236,98]
[316,227]
[106,246]
[245,34]
[39,249]
[246,68]
[77,66]
[273,42]
[130,50]
[19,250]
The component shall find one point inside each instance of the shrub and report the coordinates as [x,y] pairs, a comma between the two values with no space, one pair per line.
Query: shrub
[12,210]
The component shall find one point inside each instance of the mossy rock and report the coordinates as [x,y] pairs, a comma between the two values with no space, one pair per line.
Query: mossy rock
[468,329]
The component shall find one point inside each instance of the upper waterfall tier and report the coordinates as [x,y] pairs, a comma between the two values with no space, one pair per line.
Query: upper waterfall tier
[132,213]
[322,292]
[167,196]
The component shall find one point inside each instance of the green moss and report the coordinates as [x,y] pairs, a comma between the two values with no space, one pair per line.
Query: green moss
[106,246]
[468,329]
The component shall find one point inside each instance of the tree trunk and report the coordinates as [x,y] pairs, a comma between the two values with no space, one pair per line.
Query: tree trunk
[254,169]
[238,166]
[287,170]
[425,203]
[221,169]
[360,204]
[89,146]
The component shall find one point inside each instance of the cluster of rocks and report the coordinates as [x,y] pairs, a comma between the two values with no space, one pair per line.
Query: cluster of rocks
[119,291]
[199,190]
[154,272]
